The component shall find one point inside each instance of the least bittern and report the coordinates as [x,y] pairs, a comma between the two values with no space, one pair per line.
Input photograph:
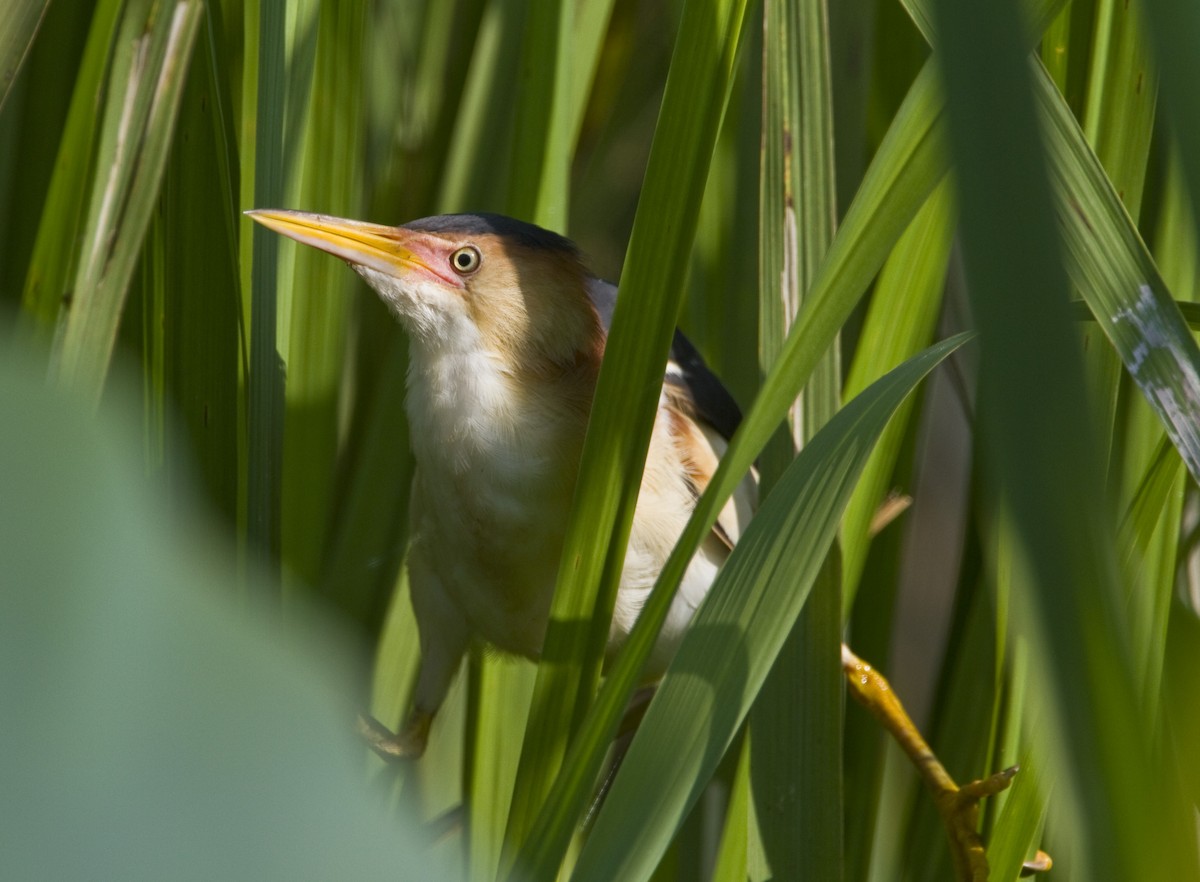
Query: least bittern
[507,331]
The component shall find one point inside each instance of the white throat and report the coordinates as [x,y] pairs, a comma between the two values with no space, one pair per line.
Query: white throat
[459,405]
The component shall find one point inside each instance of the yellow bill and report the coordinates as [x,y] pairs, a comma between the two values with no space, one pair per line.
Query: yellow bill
[376,246]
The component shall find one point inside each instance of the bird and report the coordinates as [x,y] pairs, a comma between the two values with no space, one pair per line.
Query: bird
[507,330]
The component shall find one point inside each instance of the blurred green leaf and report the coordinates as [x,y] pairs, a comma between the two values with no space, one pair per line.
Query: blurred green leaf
[1175,27]
[16,36]
[198,711]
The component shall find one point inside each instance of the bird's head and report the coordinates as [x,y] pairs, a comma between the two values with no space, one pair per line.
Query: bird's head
[467,282]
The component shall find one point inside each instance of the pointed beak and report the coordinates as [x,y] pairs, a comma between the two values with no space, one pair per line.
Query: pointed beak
[385,249]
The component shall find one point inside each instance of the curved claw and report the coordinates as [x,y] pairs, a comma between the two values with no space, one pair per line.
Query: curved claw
[407,744]
[989,786]
[1039,864]
[959,808]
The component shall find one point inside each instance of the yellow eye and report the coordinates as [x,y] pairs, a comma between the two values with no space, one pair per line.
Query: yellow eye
[465,260]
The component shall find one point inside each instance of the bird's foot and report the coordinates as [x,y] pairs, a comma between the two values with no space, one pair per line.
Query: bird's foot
[958,806]
[407,744]
[1040,864]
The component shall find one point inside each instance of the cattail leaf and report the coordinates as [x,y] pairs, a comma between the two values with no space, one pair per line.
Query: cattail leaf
[627,393]
[56,248]
[145,85]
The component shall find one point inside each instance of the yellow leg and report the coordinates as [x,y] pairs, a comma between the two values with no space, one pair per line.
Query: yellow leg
[958,806]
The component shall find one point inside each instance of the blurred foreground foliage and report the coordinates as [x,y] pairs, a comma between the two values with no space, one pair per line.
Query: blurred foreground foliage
[819,192]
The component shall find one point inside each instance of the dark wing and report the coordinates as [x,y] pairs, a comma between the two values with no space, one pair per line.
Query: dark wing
[710,398]
[704,417]
[686,368]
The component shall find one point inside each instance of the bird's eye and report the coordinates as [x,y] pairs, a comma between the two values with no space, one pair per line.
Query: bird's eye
[465,260]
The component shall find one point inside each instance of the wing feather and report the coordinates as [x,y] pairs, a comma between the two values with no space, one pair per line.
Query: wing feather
[704,418]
